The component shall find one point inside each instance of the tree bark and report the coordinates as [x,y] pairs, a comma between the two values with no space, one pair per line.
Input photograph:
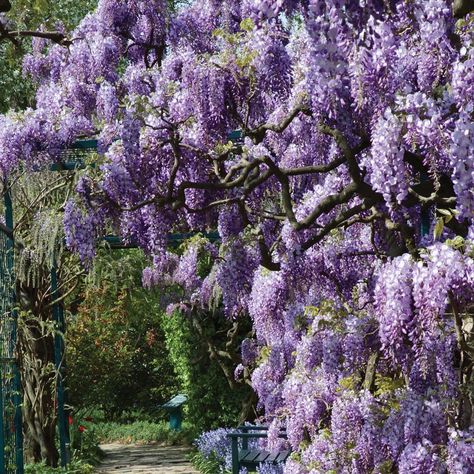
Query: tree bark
[462,7]
[5,6]
[36,354]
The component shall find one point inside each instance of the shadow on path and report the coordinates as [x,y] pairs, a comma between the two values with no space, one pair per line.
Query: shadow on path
[152,459]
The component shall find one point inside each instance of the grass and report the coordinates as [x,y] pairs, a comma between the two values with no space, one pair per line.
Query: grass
[143,432]
[76,467]
[129,429]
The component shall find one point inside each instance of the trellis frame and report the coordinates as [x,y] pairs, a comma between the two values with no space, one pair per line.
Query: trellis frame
[11,441]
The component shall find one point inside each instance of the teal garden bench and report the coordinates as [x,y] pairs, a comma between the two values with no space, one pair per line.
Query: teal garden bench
[251,458]
[174,408]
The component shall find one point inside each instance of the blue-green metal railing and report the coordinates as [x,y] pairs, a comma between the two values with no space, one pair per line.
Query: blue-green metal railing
[11,429]
[425,221]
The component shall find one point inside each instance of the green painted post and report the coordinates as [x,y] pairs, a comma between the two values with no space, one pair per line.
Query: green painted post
[17,398]
[425,222]
[58,316]
[235,455]
[2,422]
[425,213]
[176,418]
[175,411]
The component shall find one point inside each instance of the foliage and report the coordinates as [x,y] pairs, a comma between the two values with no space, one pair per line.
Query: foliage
[84,439]
[17,91]
[206,464]
[355,126]
[36,13]
[143,432]
[20,90]
[117,358]
[211,401]
[38,234]
[75,467]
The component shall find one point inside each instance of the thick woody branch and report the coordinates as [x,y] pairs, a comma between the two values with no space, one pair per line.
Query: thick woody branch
[54,36]
[458,324]
[265,254]
[175,168]
[347,151]
[433,198]
[328,204]
[302,170]
[218,203]
[462,8]
[339,221]
[258,134]
[348,156]
[285,191]
[369,379]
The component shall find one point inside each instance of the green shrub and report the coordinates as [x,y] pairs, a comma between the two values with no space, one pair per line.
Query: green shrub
[212,403]
[84,440]
[143,432]
[76,467]
[116,353]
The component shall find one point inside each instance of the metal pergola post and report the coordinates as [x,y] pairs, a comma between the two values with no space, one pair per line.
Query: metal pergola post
[60,328]
[11,426]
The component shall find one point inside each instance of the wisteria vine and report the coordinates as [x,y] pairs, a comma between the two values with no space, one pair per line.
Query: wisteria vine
[330,142]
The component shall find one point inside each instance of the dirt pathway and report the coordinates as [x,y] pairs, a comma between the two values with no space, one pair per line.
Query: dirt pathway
[146,459]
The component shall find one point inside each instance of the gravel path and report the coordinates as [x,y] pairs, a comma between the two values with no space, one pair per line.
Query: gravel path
[150,459]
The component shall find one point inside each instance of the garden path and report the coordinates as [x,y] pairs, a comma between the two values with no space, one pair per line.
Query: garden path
[145,459]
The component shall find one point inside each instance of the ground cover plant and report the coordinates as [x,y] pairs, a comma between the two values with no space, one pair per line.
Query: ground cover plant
[76,467]
[343,203]
[143,432]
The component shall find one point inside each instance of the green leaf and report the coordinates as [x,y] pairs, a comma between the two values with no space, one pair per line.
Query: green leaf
[456,243]
[218,32]
[247,24]
[445,212]
[439,227]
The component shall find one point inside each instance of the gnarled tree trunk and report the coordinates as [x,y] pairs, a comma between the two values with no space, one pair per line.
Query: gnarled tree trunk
[39,377]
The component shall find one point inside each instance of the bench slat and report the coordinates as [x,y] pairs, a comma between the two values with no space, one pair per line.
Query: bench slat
[243,453]
[283,455]
[273,456]
[251,459]
[262,457]
[251,456]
